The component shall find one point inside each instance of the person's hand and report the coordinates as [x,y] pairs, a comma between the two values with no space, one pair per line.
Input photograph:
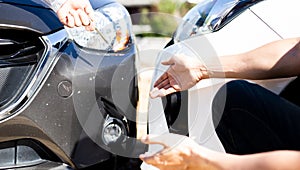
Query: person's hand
[180,153]
[76,13]
[183,73]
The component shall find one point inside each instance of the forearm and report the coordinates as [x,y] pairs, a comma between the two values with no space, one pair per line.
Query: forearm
[274,60]
[55,4]
[265,161]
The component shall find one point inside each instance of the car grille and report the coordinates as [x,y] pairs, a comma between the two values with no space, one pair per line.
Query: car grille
[20,51]
[26,59]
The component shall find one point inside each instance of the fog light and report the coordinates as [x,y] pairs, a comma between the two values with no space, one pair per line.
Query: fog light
[114,131]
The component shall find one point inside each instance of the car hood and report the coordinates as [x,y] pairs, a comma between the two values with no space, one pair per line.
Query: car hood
[40,3]
[36,3]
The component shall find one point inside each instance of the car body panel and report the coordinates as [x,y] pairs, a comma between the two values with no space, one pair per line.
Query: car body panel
[244,33]
[54,114]
[13,15]
[42,4]
[288,26]
[52,120]
[260,24]
[33,3]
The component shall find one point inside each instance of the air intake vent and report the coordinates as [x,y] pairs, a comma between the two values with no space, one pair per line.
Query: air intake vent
[18,48]
[20,52]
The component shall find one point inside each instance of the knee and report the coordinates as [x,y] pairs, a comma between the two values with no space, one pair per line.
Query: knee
[232,94]
[237,88]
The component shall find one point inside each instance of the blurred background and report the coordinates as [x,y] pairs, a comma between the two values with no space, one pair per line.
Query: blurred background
[146,21]
[154,22]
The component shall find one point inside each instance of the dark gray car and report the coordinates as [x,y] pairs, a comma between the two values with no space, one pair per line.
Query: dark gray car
[67,96]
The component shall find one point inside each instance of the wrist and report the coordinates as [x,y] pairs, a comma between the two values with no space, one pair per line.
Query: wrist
[217,74]
[213,160]
[203,158]
[212,69]
[224,67]
[211,73]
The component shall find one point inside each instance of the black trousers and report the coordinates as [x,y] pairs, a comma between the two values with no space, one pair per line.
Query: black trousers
[250,119]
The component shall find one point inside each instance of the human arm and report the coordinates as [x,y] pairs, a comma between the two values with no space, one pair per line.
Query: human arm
[277,59]
[181,153]
[73,12]
[283,159]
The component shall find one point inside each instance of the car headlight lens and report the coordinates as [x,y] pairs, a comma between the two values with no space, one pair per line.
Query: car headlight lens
[114,131]
[210,16]
[113,30]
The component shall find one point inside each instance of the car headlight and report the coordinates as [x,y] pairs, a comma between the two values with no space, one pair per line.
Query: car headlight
[114,131]
[113,30]
[210,16]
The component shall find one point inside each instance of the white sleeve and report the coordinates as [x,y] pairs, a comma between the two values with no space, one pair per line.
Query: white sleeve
[55,4]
